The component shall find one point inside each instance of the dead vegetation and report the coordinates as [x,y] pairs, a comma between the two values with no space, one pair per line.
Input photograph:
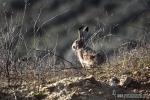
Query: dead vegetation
[40,78]
[42,74]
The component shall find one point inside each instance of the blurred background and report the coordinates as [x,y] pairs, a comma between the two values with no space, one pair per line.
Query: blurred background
[53,24]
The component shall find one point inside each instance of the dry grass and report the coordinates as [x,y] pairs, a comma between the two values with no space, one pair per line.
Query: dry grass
[21,75]
[30,75]
[135,63]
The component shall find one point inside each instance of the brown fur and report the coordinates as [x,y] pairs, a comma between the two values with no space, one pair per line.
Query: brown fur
[87,56]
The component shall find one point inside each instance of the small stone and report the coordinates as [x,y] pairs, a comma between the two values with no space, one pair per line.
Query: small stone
[137,73]
[142,91]
[113,81]
[147,67]
[43,89]
[30,94]
[90,90]
[125,80]
[135,90]
[100,93]
[82,93]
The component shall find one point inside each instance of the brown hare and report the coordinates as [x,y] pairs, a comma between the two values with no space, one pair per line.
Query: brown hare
[87,56]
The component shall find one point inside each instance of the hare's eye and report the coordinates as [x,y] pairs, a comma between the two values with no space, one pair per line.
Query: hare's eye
[74,47]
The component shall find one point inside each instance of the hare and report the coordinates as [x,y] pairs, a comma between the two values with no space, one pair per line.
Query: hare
[87,56]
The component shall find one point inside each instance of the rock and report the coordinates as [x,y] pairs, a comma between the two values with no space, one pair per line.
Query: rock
[30,94]
[73,88]
[113,81]
[125,80]
[128,82]
[137,73]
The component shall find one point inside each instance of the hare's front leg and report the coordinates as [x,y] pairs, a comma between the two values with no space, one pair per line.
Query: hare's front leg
[84,70]
[83,65]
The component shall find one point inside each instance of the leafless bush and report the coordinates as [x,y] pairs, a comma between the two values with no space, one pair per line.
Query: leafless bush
[35,67]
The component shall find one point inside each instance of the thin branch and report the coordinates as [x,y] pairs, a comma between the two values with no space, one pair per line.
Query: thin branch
[52,18]
[36,21]
[51,52]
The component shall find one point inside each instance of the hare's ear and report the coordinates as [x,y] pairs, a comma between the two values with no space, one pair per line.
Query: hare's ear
[82,30]
[80,33]
[86,29]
